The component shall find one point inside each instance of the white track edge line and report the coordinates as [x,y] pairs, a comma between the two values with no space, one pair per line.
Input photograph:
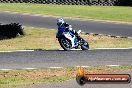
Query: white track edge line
[29,68]
[19,51]
[6,69]
[55,67]
[71,49]
[113,65]
[113,48]
[60,67]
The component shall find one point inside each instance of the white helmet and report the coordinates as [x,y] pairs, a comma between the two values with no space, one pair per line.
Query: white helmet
[60,21]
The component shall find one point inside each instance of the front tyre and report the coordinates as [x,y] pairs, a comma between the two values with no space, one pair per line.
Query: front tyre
[84,44]
[65,43]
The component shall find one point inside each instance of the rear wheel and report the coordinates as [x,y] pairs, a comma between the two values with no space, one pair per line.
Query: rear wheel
[65,43]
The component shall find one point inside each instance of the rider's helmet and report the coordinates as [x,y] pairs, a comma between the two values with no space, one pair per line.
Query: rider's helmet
[60,21]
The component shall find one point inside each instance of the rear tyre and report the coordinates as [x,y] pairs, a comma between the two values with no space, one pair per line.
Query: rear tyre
[65,43]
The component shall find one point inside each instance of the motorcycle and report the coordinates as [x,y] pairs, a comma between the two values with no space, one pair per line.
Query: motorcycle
[65,41]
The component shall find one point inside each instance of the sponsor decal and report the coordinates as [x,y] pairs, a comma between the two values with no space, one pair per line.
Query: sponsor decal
[82,78]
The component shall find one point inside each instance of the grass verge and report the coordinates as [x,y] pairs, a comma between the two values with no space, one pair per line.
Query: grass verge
[102,41]
[88,12]
[42,38]
[37,76]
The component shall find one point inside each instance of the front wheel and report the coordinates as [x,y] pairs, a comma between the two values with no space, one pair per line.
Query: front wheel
[65,43]
[84,44]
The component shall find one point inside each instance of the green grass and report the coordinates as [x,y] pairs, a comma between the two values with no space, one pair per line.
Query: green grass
[42,38]
[87,12]
[35,38]
[108,42]
[11,78]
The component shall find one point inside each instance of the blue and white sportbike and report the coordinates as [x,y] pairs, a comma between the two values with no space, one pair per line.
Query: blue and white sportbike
[68,40]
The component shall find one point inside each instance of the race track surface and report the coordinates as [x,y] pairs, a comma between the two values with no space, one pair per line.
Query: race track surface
[86,26]
[60,58]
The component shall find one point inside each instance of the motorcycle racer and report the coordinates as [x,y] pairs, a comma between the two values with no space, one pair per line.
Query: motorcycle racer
[65,27]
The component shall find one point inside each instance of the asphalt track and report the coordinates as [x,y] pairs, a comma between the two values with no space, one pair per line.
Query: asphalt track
[86,26]
[60,58]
